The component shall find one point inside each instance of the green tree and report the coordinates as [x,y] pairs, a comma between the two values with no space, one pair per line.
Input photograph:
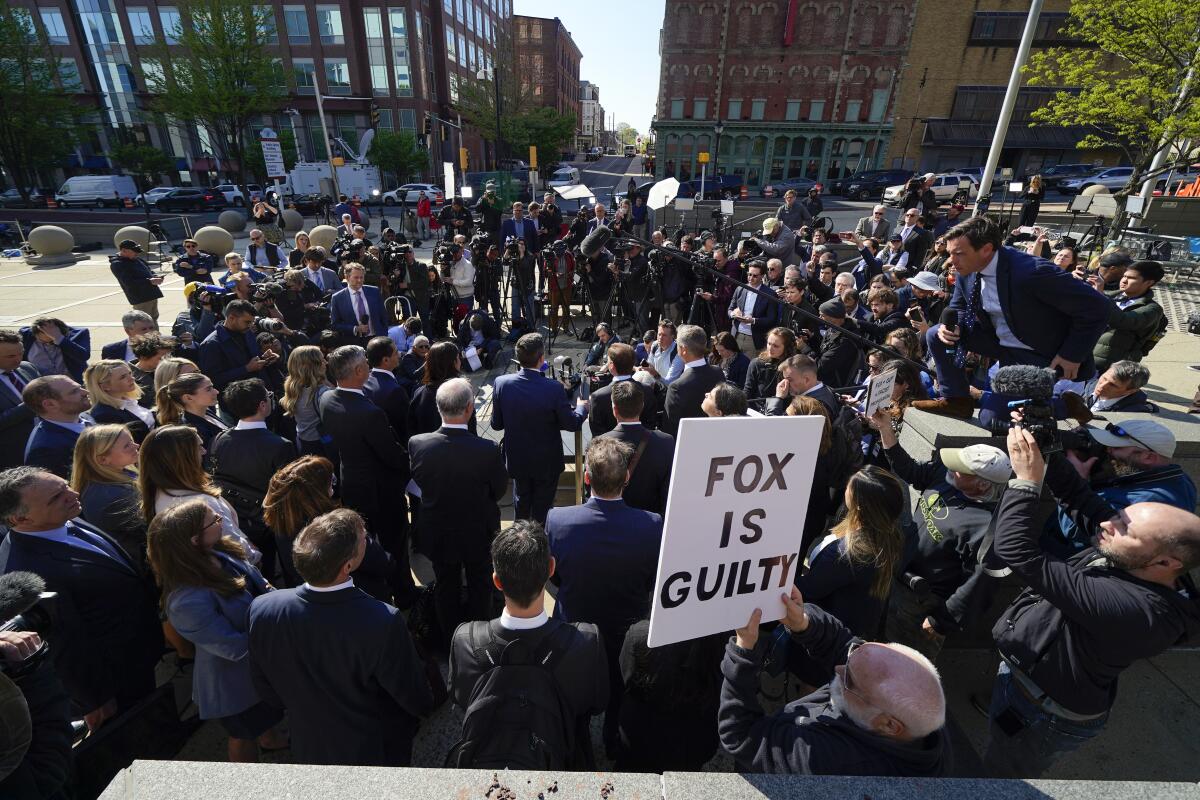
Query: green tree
[39,117]
[1129,85]
[543,128]
[626,133]
[220,75]
[144,163]
[397,153]
[254,155]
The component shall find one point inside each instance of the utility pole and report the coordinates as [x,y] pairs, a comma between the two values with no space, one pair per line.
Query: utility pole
[912,123]
[328,150]
[1010,101]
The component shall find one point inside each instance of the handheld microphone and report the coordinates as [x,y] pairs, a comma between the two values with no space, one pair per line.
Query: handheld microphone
[19,592]
[1024,381]
[950,320]
[595,241]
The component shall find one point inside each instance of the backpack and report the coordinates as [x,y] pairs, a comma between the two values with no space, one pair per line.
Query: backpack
[516,717]
[1155,336]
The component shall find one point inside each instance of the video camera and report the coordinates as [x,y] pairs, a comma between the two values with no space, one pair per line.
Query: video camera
[512,250]
[1036,388]
[267,292]
[213,296]
[21,609]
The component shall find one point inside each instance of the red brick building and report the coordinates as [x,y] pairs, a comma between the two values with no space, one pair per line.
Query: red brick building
[548,63]
[778,88]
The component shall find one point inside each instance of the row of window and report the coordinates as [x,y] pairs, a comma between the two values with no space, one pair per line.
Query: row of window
[736,109]
[472,14]
[462,50]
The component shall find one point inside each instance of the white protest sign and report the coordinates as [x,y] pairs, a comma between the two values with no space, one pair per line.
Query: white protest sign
[448,180]
[735,516]
[272,152]
[879,392]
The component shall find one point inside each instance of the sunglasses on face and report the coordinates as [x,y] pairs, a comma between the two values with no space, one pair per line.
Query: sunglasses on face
[1117,430]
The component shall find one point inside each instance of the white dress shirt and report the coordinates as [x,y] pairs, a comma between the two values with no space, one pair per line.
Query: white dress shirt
[144,414]
[990,299]
[250,425]
[511,623]
[337,587]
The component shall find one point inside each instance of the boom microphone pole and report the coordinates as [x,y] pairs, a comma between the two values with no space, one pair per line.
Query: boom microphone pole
[597,239]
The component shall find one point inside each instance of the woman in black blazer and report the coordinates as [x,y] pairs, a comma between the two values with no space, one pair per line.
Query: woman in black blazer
[763,374]
[443,363]
[189,399]
[114,395]
[1031,202]
[107,488]
[732,361]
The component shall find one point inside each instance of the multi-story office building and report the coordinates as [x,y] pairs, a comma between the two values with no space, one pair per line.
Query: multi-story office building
[403,61]
[547,63]
[591,128]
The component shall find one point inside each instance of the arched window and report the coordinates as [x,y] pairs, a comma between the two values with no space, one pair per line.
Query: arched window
[831,27]
[746,23]
[866,24]
[897,17]
[797,147]
[683,23]
[708,24]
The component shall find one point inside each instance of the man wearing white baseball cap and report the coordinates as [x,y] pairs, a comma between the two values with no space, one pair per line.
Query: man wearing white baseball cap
[926,288]
[959,493]
[777,241]
[1136,468]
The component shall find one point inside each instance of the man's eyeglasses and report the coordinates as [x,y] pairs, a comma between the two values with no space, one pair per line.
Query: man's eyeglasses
[1117,430]
[910,214]
[848,679]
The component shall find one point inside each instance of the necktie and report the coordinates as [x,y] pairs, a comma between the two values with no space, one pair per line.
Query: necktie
[96,543]
[316,278]
[16,381]
[969,317]
[361,308]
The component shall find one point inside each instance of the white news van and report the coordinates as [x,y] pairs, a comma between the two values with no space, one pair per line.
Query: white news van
[95,190]
[353,179]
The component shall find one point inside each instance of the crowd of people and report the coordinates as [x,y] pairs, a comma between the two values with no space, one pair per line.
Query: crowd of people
[246,494]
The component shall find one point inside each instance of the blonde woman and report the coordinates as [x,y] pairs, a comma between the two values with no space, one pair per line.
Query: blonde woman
[296,256]
[170,368]
[103,476]
[302,389]
[171,471]
[115,395]
[235,265]
[1031,201]
[207,586]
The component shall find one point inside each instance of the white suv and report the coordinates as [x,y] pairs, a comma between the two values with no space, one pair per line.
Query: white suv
[1114,178]
[945,189]
[233,192]
[412,192]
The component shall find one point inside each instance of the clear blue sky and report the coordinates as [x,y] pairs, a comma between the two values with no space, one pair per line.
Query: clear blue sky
[619,42]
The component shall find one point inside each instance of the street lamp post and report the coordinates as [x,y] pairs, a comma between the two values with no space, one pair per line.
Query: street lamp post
[718,129]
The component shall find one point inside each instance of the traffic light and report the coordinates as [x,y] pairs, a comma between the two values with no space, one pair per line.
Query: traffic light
[462,158]
[428,126]
[374,115]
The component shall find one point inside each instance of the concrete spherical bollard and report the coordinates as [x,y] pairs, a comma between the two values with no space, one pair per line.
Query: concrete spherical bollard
[135,232]
[291,220]
[323,236]
[232,221]
[51,240]
[1095,189]
[215,240]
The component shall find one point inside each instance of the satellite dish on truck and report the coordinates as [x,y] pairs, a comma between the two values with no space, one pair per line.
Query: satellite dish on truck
[364,143]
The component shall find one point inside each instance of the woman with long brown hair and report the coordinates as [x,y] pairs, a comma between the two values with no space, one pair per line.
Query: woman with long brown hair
[171,471]
[189,399]
[443,363]
[115,396]
[302,389]
[102,476]
[207,586]
[299,493]
[763,374]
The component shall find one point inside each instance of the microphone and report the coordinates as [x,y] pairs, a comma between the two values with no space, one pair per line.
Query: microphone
[19,592]
[950,320]
[1024,381]
[595,241]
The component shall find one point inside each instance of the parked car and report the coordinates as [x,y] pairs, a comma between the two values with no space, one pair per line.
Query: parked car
[724,187]
[945,189]
[412,191]
[1053,176]
[1175,178]
[779,188]
[151,195]
[1113,178]
[191,199]
[233,193]
[593,154]
[95,190]
[871,185]
[307,204]
[564,176]
[11,198]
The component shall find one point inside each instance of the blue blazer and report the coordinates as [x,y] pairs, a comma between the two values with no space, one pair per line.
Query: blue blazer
[532,409]
[218,626]
[76,349]
[343,318]
[528,232]
[222,361]
[114,350]
[765,313]
[51,447]
[1049,310]
[607,556]
[738,367]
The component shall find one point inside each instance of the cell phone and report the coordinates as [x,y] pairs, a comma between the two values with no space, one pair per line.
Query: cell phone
[585,388]
[914,313]
[645,363]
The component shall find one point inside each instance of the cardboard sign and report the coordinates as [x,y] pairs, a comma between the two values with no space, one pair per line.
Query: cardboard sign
[879,393]
[735,517]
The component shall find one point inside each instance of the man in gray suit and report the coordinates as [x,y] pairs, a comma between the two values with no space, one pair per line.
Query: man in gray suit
[875,226]
[16,419]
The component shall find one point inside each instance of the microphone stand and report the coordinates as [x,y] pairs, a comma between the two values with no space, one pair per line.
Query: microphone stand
[691,261]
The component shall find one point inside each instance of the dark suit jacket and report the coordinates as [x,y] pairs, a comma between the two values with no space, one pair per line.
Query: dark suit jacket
[765,313]
[600,415]
[248,458]
[388,394]
[107,638]
[423,416]
[737,370]
[344,667]
[531,409]
[76,348]
[607,557]
[651,478]
[917,245]
[1138,402]
[685,394]
[777,407]
[1046,308]
[374,466]
[107,415]
[343,316]
[527,232]
[221,359]
[840,356]
[16,420]
[208,430]
[462,479]
[51,447]
[114,350]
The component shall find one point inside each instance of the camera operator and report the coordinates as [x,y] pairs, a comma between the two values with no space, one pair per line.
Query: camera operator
[454,219]
[777,241]
[1126,463]
[35,716]
[288,308]
[491,211]
[1065,641]
[485,257]
[231,352]
[192,325]
[458,275]
[639,288]
[678,284]
[579,227]
[550,218]
[558,270]
[601,273]
[418,282]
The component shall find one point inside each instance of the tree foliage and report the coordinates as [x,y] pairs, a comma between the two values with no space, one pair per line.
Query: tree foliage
[257,166]
[1128,84]
[220,75]
[39,118]
[397,153]
[142,161]
[626,133]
